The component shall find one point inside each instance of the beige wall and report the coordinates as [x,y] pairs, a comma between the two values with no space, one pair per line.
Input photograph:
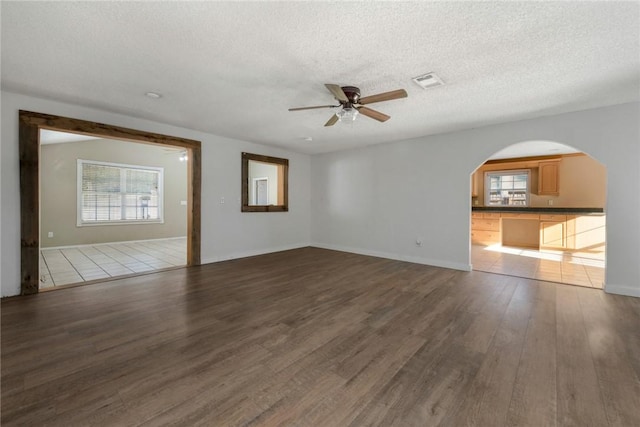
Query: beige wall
[583,183]
[58,188]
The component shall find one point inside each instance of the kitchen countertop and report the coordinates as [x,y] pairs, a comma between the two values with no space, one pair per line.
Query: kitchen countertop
[523,209]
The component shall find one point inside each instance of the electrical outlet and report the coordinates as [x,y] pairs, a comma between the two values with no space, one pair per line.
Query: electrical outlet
[550,202]
[50,234]
[418,242]
[222,200]
[183,203]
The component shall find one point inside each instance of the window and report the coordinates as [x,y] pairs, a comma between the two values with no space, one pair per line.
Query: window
[507,188]
[110,193]
[264,183]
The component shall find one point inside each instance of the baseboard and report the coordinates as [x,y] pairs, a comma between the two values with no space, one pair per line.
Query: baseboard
[113,243]
[255,252]
[630,291]
[397,257]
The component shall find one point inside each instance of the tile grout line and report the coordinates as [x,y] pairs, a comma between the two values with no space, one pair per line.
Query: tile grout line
[114,249]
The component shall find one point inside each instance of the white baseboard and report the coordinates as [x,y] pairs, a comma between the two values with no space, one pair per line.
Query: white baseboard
[631,291]
[113,243]
[245,254]
[397,257]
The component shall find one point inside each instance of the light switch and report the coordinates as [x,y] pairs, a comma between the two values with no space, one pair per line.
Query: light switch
[183,202]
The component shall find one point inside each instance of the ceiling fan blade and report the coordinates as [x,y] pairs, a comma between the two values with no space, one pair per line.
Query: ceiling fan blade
[313,108]
[337,92]
[332,121]
[386,96]
[377,115]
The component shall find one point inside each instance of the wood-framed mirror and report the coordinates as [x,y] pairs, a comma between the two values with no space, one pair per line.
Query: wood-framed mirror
[30,124]
[265,183]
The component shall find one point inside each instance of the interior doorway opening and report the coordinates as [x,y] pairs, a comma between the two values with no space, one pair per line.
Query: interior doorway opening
[109,208]
[30,125]
[538,211]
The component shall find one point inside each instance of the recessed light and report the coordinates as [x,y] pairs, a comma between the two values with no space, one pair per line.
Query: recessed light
[308,138]
[153,95]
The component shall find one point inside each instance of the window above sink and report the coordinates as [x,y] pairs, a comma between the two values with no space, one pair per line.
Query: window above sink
[507,188]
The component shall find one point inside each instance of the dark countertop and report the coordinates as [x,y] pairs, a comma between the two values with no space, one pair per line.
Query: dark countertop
[522,209]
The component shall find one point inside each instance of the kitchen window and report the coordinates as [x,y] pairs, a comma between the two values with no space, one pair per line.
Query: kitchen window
[111,193]
[507,188]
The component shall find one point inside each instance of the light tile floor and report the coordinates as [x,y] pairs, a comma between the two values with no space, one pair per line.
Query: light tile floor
[83,263]
[552,266]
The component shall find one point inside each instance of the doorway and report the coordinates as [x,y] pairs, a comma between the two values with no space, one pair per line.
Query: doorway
[109,208]
[261,191]
[540,215]
[31,123]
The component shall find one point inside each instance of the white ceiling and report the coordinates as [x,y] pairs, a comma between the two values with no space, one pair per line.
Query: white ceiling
[533,148]
[234,68]
[53,137]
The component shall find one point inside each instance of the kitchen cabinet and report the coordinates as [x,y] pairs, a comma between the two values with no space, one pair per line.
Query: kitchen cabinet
[553,231]
[485,228]
[544,231]
[548,178]
[553,234]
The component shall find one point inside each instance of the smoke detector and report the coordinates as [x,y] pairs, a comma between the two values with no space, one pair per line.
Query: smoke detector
[428,81]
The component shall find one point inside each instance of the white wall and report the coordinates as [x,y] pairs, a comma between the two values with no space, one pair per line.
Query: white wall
[378,200]
[226,232]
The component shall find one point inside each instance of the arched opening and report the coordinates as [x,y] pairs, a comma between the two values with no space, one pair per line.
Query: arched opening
[538,211]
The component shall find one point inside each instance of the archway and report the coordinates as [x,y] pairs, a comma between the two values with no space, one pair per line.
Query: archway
[538,211]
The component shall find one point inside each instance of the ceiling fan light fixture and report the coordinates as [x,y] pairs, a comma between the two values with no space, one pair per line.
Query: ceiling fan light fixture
[347,114]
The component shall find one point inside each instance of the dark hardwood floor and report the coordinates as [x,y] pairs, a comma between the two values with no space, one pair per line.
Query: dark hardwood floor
[312,337]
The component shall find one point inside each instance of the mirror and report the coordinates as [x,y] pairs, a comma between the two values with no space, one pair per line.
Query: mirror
[264,183]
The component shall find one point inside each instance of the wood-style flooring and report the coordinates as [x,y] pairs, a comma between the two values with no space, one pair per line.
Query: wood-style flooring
[312,337]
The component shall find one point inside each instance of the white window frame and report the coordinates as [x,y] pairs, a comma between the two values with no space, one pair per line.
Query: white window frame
[487,185]
[81,223]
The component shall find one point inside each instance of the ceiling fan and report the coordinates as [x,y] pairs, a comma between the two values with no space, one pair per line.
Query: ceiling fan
[352,104]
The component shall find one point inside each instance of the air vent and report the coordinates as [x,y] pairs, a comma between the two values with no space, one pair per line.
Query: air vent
[428,81]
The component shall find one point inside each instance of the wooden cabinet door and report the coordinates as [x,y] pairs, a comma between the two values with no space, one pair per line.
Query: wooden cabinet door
[553,234]
[548,182]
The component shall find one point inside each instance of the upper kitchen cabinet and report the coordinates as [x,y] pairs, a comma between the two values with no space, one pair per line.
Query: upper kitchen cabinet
[548,182]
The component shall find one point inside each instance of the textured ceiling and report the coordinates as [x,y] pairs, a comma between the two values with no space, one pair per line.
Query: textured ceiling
[233,68]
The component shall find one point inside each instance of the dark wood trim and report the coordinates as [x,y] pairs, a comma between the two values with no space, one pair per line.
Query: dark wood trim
[29,207]
[30,124]
[284,164]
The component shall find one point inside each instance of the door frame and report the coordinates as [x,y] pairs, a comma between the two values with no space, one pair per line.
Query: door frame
[255,189]
[30,124]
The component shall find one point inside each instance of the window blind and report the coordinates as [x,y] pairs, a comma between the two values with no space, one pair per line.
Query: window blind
[112,192]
